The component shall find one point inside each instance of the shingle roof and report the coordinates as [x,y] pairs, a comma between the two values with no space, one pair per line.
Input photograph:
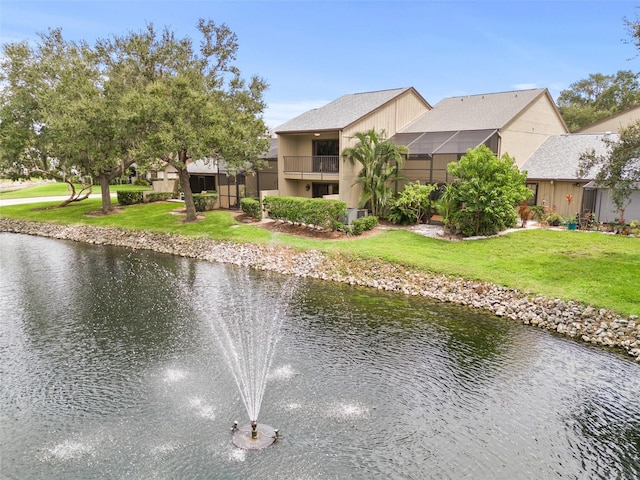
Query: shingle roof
[340,113]
[558,157]
[474,112]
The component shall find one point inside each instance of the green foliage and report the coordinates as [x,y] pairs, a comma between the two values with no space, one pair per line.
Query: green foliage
[414,204]
[141,182]
[487,190]
[599,96]
[538,212]
[603,268]
[129,197]
[205,202]
[157,196]
[381,160]
[361,225]
[309,211]
[619,169]
[552,218]
[98,108]
[251,207]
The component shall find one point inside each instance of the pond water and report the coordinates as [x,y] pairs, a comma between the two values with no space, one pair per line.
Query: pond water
[109,370]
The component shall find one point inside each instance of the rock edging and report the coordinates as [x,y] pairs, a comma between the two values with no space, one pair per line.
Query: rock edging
[596,326]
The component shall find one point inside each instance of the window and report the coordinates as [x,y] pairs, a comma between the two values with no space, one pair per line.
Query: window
[325,147]
[534,188]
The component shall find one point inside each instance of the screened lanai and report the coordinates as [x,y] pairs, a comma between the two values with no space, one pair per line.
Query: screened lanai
[431,152]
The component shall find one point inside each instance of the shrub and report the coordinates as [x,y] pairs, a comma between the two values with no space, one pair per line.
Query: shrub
[361,225]
[251,207]
[538,213]
[129,197]
[310,211]
[157,196]
[205,202]
[414,204]
[486,192]
[142,182]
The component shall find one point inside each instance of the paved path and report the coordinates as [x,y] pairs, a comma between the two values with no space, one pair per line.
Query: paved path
[21,201]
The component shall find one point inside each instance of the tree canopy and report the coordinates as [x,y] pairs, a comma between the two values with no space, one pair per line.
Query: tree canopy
[69,109]
[598,96]
[486,191]
[619,169]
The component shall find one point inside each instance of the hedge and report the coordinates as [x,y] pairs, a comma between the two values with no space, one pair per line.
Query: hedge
[309,211]
[251,207]
[157,196]
[126,197]
[205,201]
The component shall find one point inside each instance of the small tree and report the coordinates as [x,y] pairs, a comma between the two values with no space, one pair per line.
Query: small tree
[381,160]
[619,169]
[485,194]
[413,204]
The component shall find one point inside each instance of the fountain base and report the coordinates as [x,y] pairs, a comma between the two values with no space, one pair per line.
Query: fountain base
[244,437]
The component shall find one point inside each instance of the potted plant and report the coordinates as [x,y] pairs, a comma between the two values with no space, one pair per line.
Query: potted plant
[571,221]
[553,219]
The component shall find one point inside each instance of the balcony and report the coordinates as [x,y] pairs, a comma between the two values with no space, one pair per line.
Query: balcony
[316,167]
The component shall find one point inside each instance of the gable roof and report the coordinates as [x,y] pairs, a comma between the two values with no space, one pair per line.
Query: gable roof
[633,112]
[558,157]
[342,112]
[491,111]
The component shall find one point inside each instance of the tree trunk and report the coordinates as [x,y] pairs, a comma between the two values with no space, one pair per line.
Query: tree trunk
[186,188]
[75,197]
[107,207]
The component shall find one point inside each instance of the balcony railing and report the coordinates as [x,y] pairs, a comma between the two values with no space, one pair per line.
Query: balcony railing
[323,164]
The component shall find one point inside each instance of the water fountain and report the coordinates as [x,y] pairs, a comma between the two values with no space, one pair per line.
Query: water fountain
[247,333]
[117,375]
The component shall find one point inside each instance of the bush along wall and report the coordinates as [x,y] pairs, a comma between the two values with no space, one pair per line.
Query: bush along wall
[205,201]
[157,196]
[129,197]
[309,211]
[251,207]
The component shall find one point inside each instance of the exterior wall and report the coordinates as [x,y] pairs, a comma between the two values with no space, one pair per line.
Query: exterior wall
[606,211]
[614,123]
[264,179]
[163,185]
[391,117]
[530,129]
[554,194]
[297,145]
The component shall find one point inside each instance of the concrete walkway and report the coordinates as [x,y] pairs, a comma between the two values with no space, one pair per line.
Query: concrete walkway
[22,201]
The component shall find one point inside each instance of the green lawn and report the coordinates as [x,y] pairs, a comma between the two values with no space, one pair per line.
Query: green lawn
[598,269]
[59,189]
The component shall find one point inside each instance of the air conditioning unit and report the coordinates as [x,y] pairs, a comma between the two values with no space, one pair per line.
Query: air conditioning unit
[355,213]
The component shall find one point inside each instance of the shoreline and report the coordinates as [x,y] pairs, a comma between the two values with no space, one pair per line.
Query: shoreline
[591,325]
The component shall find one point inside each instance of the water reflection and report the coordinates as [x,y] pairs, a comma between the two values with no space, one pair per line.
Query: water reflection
[109,371]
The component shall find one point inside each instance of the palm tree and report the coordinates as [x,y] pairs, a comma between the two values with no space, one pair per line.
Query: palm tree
[381,160]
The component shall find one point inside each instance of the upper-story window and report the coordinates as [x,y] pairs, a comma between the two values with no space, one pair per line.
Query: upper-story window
[325,147]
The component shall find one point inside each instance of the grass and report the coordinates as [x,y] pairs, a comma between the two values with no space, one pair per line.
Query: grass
[59,189]
[601,270]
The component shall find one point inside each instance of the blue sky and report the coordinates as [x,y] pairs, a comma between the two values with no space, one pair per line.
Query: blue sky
[313,52]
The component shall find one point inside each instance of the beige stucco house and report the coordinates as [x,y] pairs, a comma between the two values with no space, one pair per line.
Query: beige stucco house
[516,123]
[614,122]
[309,146]
[552,173]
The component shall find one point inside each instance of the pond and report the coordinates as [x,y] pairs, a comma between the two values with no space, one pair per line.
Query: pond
[109,370]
